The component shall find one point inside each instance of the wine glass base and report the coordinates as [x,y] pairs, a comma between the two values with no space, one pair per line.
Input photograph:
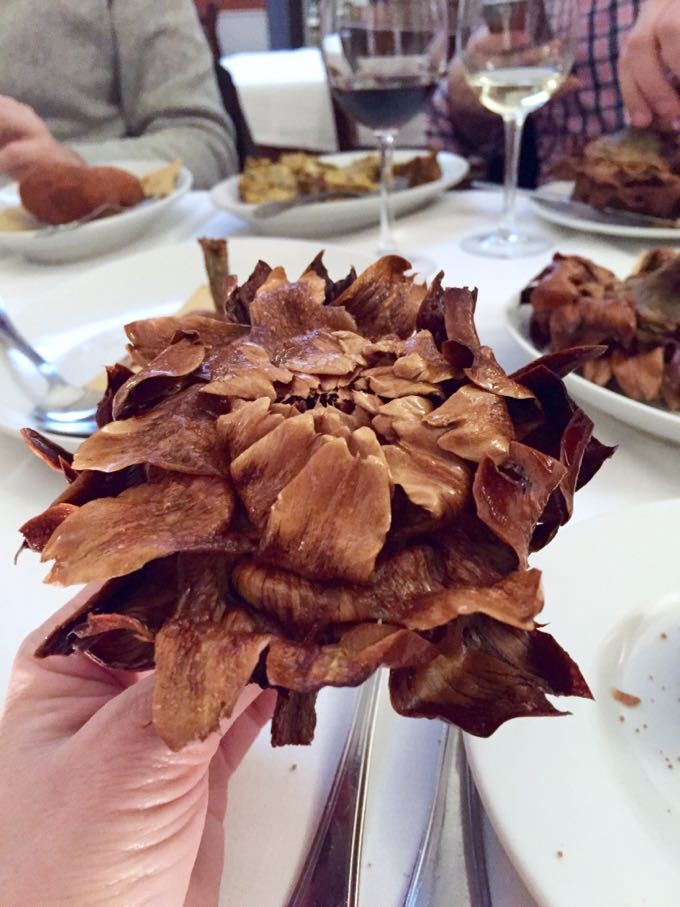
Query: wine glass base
[505,244]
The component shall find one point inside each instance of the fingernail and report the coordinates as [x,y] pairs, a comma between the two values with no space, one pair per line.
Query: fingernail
[676,124]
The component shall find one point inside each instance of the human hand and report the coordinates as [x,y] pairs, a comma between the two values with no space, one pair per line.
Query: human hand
[26,141]
[95,808]
[648,63]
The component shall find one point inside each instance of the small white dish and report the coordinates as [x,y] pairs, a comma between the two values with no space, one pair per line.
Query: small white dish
[81,337]
[341,215]
[563,189]
[587,805]
[656,420]
[55,246]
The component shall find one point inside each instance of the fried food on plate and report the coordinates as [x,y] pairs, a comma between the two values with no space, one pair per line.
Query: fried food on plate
[576,302]
[635,170]
[298,174]
[61,193]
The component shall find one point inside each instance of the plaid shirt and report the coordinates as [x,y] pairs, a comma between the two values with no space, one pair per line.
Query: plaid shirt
[565,124]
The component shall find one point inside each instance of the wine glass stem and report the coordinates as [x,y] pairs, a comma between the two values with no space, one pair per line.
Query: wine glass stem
[514,125]
[386,148]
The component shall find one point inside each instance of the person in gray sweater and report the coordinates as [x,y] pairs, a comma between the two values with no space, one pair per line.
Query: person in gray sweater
[106,80]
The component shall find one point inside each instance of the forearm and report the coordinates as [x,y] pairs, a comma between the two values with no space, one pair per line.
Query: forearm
[168,90]
[208,154]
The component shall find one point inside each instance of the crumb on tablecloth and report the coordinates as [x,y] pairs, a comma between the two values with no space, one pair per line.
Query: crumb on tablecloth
[627,699]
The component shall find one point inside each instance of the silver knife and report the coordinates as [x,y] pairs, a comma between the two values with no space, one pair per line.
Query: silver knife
[603,215]
[612,216]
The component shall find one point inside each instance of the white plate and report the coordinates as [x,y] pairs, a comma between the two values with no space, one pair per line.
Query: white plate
[98,236]
[653,419]
[588,806]
[79,324]
[323,218]
[563,189]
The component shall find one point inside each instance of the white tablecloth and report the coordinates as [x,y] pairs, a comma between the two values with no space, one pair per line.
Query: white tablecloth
[273,808]
[285,99]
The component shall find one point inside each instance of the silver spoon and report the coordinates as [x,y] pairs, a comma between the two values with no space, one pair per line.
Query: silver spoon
[65,409]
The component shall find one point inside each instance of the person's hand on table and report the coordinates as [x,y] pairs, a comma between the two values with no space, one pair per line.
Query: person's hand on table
[649,64]
[25,141]
[95,808]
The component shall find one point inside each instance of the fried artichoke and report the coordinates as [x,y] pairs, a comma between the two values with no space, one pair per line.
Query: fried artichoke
[637,320]
[317,480]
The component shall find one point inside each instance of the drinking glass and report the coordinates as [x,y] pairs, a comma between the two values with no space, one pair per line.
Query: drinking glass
[383,59]
[515,54]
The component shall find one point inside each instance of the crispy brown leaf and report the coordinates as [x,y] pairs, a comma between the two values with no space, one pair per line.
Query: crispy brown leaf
[202,666]
[511,497]
[307,668]
[294,720]
[486,674]
[38,530]
[178,434]
[162,376]
[288,309]
[382,300]
[49,452]
[113,536]
[330,521]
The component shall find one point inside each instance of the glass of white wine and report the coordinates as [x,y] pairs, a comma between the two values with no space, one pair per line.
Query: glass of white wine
[515,54]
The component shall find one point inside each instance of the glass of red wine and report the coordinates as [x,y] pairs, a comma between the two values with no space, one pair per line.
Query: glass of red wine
[383,59]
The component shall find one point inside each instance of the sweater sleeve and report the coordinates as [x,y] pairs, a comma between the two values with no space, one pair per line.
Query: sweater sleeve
[168,92]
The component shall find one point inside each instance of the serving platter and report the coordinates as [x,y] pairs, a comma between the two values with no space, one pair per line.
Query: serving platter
[656,420]
[341,215]
[562,189]
[62,244]
[587,805]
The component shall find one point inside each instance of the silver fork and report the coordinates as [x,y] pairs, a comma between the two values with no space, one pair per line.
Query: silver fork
[331,873]
[65,408]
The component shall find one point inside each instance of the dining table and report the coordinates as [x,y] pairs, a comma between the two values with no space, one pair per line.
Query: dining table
[276,796]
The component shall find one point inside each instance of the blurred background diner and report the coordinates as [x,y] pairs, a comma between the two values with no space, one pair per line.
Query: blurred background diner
[143,85]
[106,81]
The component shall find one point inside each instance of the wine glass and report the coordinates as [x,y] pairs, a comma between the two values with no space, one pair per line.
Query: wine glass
[384,58]
[515,54]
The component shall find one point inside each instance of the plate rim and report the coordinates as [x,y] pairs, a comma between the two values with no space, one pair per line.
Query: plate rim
[600,397]
[430,189]
[581,223]
[541,882]
[125,265]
